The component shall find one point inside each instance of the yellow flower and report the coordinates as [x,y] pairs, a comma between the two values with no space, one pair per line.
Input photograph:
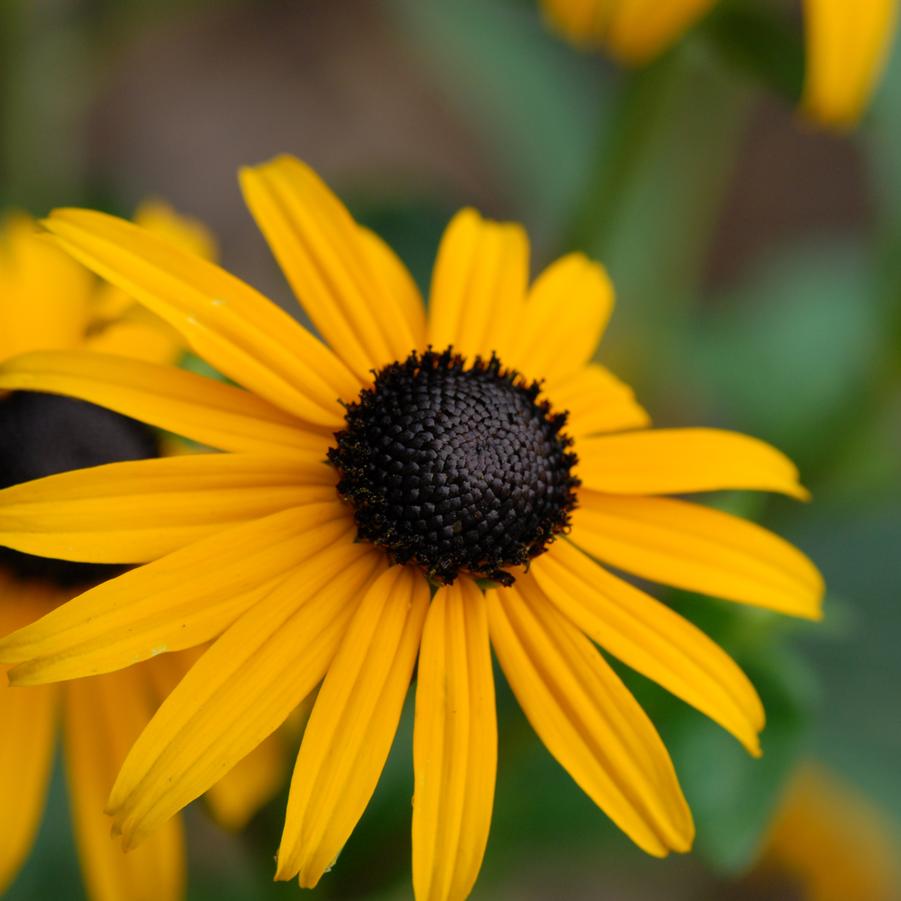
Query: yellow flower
[847,42]
[47,300]
[830,842]
[447,464]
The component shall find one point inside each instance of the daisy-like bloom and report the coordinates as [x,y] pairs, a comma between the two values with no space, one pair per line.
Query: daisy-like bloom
[847,43]
[47,300]
[830,842]
[410,494]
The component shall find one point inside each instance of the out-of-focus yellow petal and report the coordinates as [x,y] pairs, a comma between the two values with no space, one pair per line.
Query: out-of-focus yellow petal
[639,30]
[649,637]
[589,721]
[847,47]
[454,745]
[597,401]
[251,782]
[177,602]
[479,286]
[27,732]
[44,293]
[103,716]
[831,842]
[198,408]
[140,510]
[634,31]
[320,249]
[241,690]
[564,318]
[352,726]
[228,323]
[134,337]
[676,461]
[699,549]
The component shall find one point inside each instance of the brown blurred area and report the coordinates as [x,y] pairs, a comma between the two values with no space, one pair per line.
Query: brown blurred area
[183,102]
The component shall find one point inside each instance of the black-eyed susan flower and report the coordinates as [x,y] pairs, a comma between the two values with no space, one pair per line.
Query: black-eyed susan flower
[847,43]
[47,300]
[374,484]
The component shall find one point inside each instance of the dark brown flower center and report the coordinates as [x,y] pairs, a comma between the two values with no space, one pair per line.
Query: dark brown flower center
[456,468]
[43,434]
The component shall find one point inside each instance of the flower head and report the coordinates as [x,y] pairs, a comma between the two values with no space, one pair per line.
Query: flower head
[371,484]
[50,302]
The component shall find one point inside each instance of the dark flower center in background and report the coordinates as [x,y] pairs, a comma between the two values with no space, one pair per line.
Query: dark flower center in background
[455,468]
[43,434]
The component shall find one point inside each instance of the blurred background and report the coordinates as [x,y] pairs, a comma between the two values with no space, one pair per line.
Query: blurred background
[757,262]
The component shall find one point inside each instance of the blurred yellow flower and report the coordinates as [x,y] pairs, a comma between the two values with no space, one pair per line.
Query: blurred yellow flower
[847,42]
[447,462]
[830,842]
[48,301]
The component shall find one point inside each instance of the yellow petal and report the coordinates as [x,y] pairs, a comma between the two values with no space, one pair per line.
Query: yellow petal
[639,30]
[27,737]
[198,408]
[253,781]
[649,637]
[233,327]
[138,340]
[396,280]
[140,510]
[241,690]
[589,721]
[673,461]
[847,48]
[479,286]
[564,317]
[319,247]
[597,401]
[352,725]
[633,31]
[103,716]
[177,602]
[699,549]
[110,303]
[454,745]
[44,293]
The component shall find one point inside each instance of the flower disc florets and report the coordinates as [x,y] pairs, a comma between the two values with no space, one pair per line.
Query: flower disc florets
[43,434]
[455,468]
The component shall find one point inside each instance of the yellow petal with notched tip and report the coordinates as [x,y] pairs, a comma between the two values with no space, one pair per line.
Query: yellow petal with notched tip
[241,690]
[320,249]
[589,721]
[649,637]
[698,549]
[237,330]
[352,725]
